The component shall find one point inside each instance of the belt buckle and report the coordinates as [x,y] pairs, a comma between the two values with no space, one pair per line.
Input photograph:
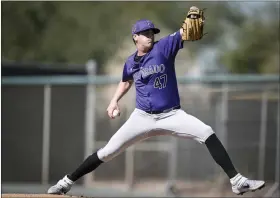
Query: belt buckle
[170,109]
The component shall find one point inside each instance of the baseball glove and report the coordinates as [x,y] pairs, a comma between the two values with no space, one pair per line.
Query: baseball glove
[193,25]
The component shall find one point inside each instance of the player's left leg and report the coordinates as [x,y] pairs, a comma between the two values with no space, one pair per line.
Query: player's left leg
[240,184]
[185,125]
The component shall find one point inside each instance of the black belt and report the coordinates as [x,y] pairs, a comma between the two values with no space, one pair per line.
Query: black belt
[163,111]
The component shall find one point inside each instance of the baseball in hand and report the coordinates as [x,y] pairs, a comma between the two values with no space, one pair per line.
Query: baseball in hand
[116,113]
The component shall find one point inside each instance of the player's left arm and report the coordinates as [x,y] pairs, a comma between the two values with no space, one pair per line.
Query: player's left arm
[171,44]
[191,30]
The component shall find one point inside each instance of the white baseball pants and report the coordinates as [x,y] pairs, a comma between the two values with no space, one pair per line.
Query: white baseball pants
[142,125]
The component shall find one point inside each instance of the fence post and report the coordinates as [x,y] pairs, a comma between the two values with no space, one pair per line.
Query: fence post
[262,135]
[172,164]
[90,118]
[277,164]
[275,188]
[129,167]
[46,134]
[224,114]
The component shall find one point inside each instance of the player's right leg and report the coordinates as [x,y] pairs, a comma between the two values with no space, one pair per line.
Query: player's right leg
[135,129]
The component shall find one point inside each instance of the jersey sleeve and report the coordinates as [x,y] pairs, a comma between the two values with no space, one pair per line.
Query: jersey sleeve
[127,74]
[171,44]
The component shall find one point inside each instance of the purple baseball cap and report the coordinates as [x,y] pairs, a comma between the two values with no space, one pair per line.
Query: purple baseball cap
[142,25]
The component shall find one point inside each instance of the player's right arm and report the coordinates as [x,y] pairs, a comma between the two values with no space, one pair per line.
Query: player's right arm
[123,87]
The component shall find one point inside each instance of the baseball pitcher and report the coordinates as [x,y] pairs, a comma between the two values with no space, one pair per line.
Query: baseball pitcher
[158,112]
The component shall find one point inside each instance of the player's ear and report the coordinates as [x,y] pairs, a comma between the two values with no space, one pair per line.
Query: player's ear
[135,38]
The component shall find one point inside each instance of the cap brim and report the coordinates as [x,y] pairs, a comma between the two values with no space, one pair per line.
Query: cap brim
[155,30]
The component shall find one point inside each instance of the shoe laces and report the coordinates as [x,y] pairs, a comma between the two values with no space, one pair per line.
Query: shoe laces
[63,183]
[242,182]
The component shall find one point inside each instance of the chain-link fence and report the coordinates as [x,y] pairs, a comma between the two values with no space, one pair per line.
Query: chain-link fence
[52,123]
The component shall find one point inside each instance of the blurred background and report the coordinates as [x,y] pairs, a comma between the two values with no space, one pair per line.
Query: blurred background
[60,65]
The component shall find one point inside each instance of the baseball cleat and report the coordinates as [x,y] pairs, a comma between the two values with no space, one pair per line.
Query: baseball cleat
[62,186]
[241,185]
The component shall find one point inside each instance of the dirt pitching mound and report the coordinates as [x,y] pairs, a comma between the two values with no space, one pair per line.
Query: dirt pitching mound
[39,196]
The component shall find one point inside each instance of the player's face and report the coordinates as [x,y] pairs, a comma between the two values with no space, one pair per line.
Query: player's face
[146,38]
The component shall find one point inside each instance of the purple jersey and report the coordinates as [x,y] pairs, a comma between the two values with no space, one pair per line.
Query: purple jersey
[154,75]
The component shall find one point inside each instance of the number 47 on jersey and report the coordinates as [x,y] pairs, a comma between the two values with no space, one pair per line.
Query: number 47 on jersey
[160,82]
